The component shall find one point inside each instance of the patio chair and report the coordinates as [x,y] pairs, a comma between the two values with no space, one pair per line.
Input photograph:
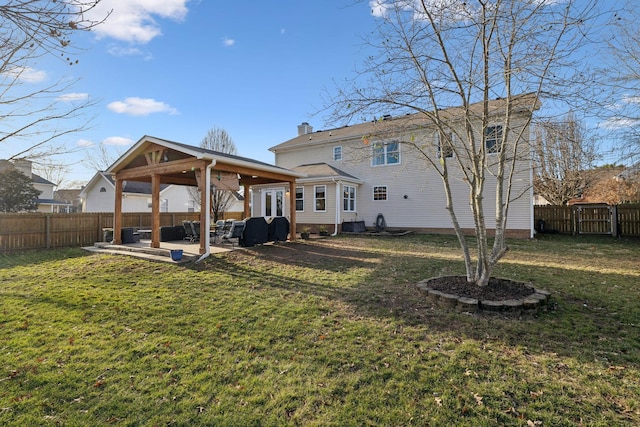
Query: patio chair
[219,231]
[188,231]
[235,232]
[195,226]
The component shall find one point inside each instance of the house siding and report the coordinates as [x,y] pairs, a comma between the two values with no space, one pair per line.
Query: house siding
[416,198]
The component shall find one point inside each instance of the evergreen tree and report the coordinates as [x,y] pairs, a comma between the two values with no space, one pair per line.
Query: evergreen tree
[17,193]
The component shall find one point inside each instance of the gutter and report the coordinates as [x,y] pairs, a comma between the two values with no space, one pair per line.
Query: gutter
[335,232]
[207,220]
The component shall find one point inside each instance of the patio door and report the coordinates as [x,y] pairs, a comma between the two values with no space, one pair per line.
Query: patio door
[272,202]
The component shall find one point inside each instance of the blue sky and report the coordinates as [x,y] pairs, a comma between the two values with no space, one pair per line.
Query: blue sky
[179,68]
[176,68]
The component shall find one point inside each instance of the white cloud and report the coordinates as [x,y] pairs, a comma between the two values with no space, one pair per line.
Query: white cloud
[616,123]
[448,10]
[228,42]
[27,74]
[379,8]
[116,50]
[70,97]
[117,140]
[140,107]
[85,143]
[631,100]
[134,20]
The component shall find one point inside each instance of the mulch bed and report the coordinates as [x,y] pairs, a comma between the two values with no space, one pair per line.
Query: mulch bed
[496,290]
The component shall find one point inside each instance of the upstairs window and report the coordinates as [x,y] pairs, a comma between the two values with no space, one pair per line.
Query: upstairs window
[493,138]
[444,144]
[385,153]
[337,154]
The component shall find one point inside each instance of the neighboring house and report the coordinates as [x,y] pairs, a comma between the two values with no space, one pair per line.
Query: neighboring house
[46,201]
[235,205]
[71,197]
[355,173]
[539,200]
[99,196]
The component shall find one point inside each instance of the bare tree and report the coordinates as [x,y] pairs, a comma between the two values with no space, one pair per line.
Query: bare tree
[218,140]
[623,119]
[30,29]
[563,159]
[429,55]
[52,171]
[100,158]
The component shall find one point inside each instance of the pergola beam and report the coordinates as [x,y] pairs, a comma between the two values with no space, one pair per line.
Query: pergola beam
[176,166]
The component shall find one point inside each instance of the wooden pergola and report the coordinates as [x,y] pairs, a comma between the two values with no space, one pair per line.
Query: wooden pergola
[159,161]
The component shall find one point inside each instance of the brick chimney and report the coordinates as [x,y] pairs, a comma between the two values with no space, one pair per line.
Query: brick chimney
[304,128]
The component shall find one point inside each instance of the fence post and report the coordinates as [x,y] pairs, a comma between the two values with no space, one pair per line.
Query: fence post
[99,239]
[614,220]
[47,227]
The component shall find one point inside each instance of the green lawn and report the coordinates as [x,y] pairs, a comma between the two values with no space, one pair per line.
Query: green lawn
[327,332]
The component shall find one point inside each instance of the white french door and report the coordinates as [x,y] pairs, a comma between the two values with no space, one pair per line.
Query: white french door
[272,202]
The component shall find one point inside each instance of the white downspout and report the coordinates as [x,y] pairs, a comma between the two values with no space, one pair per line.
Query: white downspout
[335,232]
[207,218]
[532,228]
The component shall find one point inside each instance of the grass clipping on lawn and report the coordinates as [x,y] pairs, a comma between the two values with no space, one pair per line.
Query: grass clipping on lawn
[329,332]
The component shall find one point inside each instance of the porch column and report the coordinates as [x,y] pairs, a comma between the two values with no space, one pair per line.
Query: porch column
[202,185]
[117,213]
[247,195]
[155,211]
[292,211]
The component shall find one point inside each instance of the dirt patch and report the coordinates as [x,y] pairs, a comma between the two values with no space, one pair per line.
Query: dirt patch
[496,290]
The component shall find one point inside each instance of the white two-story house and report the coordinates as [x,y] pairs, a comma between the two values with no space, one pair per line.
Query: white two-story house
[46,200]
[379,169]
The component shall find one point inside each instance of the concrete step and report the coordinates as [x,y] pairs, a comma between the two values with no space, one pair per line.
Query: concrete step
[158,254]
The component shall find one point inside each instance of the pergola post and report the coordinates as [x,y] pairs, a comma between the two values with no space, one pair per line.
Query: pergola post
[117,213]
[247,208]
[155,211]
[292,211]
[204,211]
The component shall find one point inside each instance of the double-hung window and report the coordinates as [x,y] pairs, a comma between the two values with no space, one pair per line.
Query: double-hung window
[299,199]
[348,198]
[337,154]
[320,198]
[444,142]
[385,153]
[493,138]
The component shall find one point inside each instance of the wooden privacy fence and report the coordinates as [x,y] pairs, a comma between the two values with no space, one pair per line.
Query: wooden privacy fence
[48,230]
[22,231]
[619,220]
